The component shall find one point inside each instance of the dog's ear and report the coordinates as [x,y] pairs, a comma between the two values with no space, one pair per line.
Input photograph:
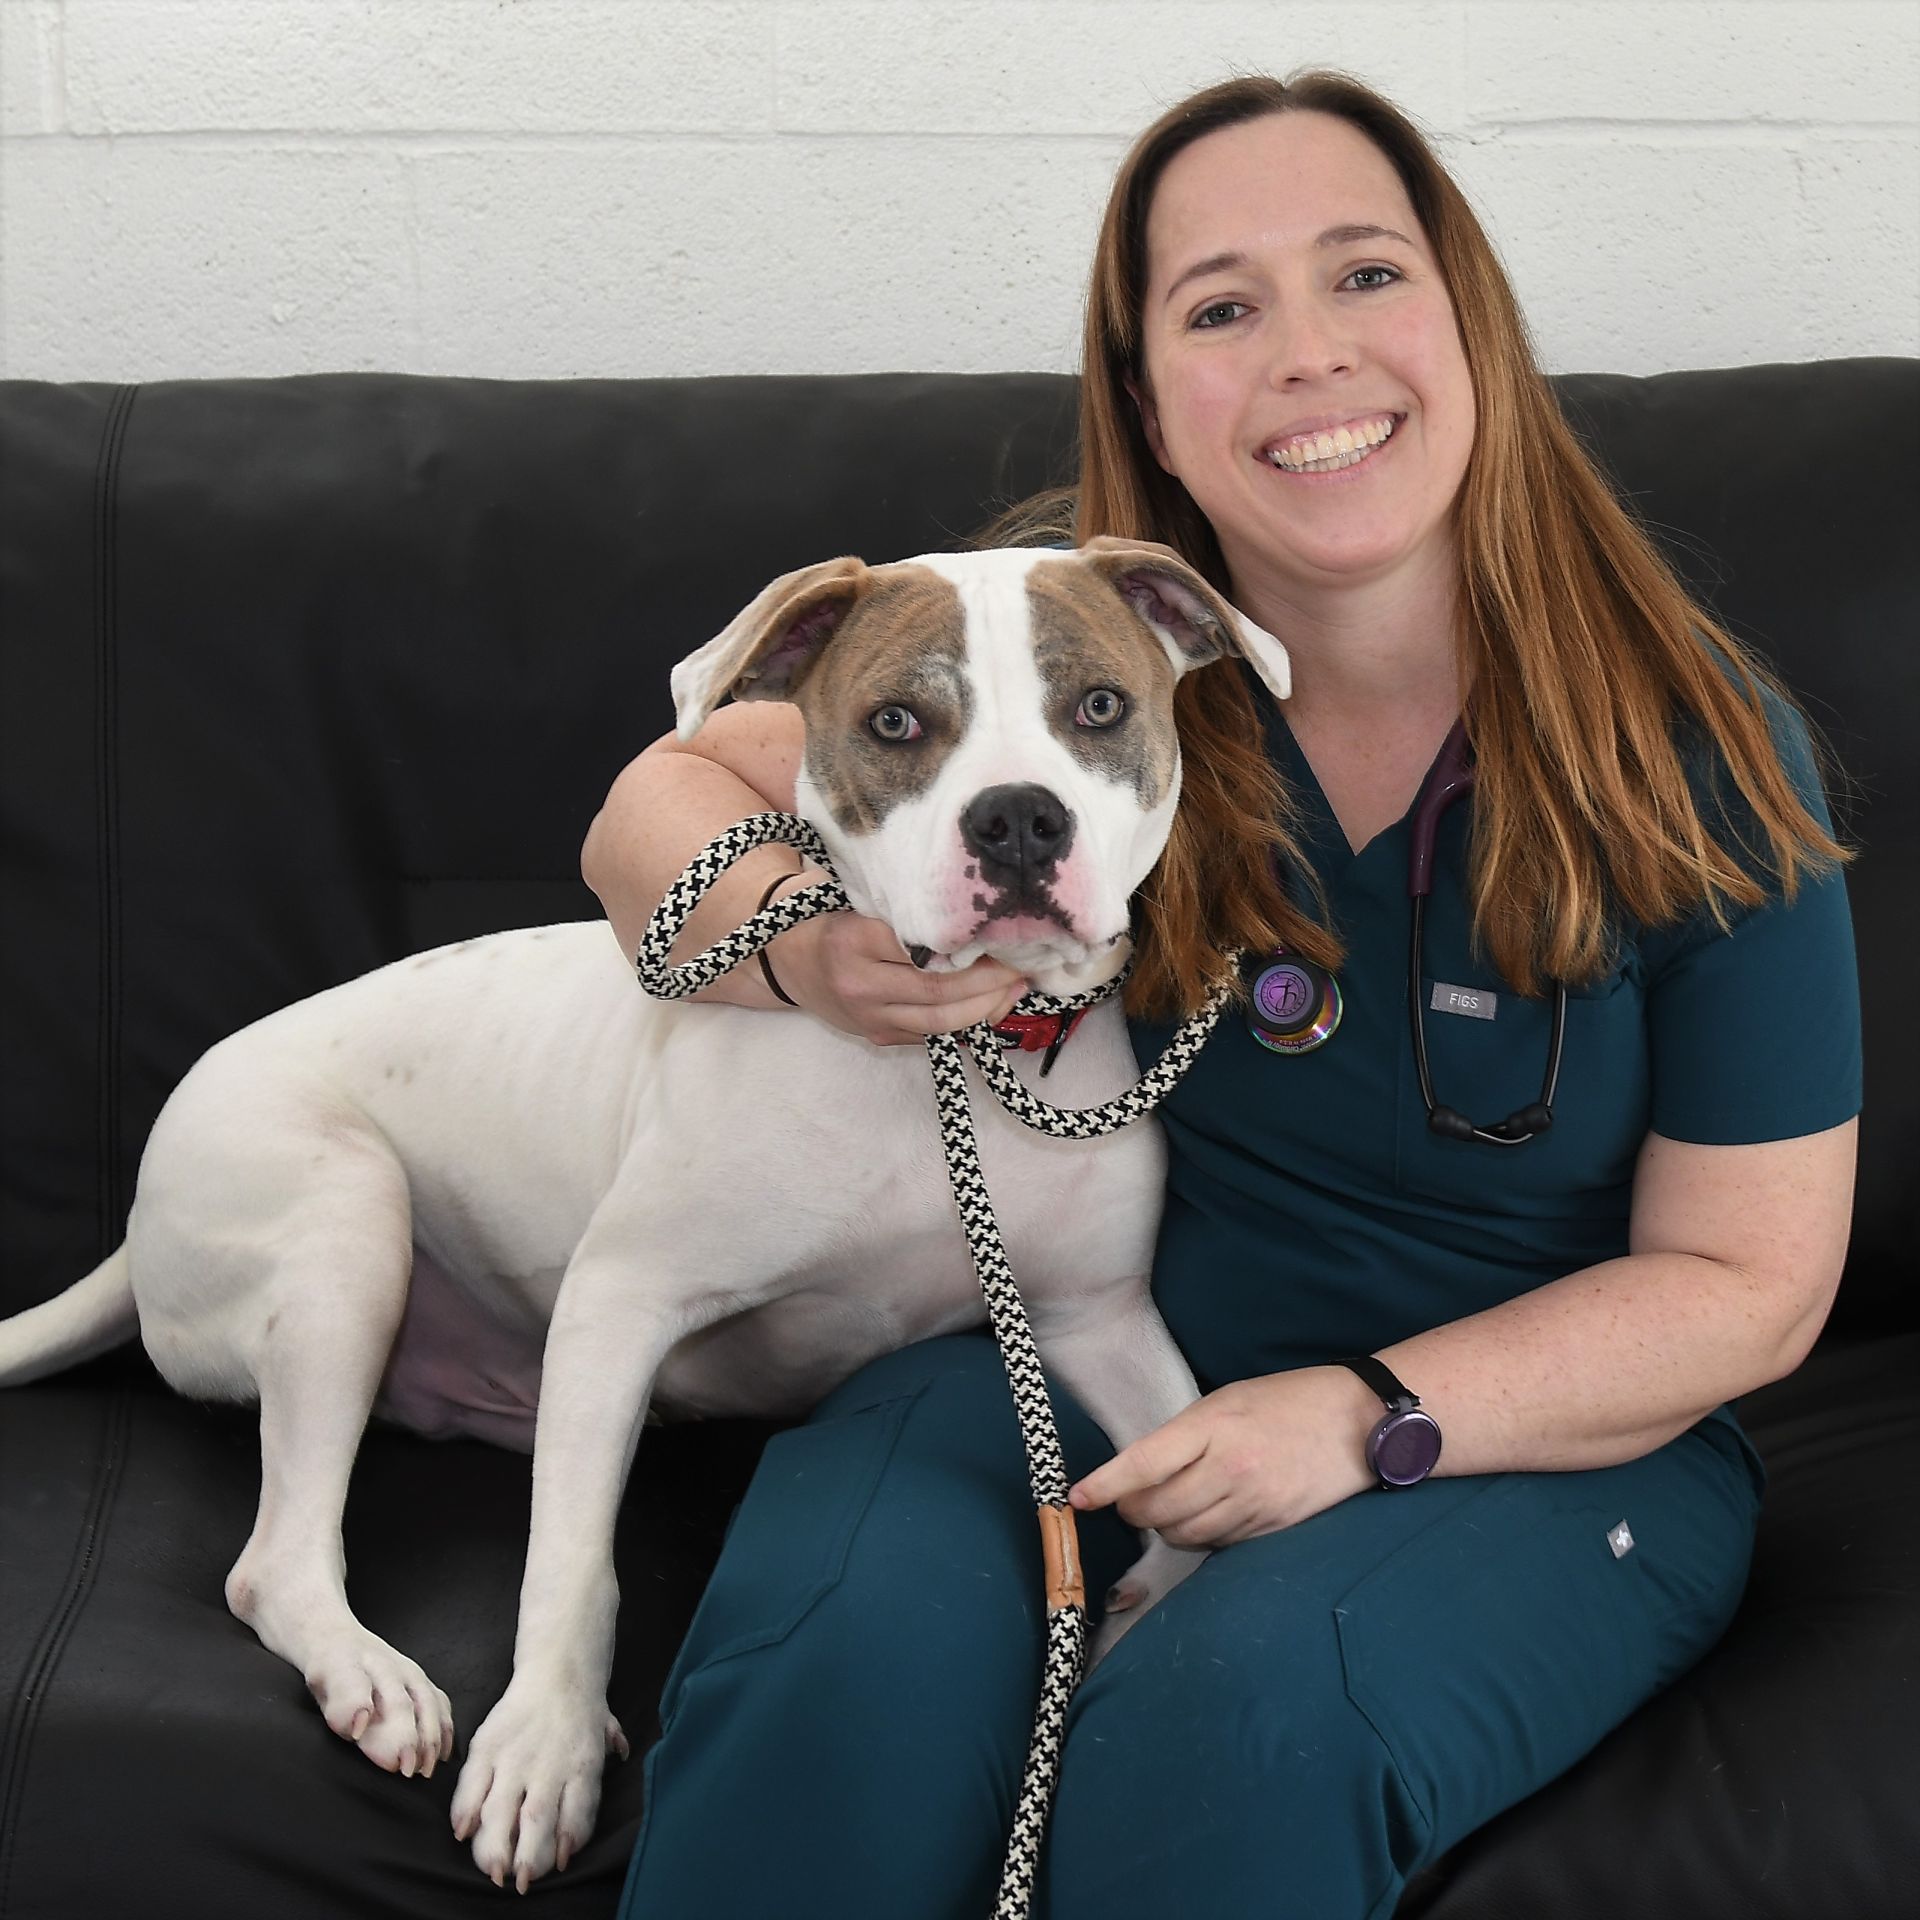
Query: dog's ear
[1194,622]
[765,651]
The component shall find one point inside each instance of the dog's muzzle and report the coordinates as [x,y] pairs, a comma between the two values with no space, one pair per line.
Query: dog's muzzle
[1019,834]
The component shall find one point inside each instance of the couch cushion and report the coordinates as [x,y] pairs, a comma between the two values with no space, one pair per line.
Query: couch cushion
[152,1743]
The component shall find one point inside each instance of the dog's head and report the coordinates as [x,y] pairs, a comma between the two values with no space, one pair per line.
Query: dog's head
[990,747]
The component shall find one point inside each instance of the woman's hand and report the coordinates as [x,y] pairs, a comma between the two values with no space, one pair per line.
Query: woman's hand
[1245,1460]
[852,973]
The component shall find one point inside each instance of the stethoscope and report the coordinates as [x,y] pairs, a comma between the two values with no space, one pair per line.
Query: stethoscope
[1295,1004]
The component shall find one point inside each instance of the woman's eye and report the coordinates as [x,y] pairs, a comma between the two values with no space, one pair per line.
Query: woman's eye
[1100,708]
[1391,276]
[1205,317]
[893,724]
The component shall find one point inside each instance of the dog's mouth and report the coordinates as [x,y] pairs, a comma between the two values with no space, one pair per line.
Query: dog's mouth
[1032,945]
[1012,924]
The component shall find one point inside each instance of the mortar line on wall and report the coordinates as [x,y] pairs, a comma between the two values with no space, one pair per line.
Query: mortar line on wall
[57,67]
[1463,66]
[314,140]
[410,174]
[1802,237]
[773,71]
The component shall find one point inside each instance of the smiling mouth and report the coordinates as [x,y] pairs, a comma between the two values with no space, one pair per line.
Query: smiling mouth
[1334,450]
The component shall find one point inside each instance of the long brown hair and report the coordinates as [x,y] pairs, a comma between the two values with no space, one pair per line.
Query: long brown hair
[1590,664]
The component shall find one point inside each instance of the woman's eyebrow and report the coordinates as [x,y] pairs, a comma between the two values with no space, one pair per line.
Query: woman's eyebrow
[1333,237]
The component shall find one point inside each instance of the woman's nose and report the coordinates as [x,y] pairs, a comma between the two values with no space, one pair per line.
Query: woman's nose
[1310,344]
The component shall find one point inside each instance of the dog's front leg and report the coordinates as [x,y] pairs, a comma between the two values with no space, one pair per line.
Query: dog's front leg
[1113,1353]
[530,1790]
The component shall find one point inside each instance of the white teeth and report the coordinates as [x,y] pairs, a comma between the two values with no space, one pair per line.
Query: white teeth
[1329,452]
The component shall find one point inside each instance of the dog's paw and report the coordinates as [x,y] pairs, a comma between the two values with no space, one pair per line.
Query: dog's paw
[530,1790]
[383,1702]
[1148,1581]
[1112,1629]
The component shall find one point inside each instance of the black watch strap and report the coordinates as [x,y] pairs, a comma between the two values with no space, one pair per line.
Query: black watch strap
[1381,1379]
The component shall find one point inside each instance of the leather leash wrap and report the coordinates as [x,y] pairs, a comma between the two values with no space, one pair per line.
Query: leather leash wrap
[1007,1313]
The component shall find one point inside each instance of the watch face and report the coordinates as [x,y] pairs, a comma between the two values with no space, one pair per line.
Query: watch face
[1405,1447]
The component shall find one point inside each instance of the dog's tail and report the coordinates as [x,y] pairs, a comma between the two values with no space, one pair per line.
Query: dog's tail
[93,1315]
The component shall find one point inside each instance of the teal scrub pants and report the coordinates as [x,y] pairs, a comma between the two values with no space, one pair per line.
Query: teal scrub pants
[1306,1721]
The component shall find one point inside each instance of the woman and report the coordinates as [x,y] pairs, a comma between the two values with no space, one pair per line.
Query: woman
[1358,1678]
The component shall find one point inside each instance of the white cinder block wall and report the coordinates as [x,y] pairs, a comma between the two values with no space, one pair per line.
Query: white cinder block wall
[622,187]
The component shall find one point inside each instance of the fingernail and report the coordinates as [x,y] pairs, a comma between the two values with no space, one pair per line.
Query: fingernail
[920,956]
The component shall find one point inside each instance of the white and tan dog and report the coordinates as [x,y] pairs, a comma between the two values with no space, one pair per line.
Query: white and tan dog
[498,1174]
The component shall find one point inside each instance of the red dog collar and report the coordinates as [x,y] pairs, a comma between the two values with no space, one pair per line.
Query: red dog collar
[1038,1032]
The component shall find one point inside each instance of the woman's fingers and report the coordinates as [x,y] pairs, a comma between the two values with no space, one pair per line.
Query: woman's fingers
[1175,1502]
[854,974]
[900,1003]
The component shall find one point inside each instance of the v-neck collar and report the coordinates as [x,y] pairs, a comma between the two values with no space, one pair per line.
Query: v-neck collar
[1322,823]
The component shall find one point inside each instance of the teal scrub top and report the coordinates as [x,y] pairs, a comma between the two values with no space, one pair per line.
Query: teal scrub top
[1310,1212]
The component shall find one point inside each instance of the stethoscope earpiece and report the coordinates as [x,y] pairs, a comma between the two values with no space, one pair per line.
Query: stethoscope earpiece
[1520,1125]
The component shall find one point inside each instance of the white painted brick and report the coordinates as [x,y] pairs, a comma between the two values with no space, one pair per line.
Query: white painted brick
[29,66]
[1636,255]
[1846,61]
[596,186]
[347,66]
[138,261]
[799,256]
[1858,288]
[1110,67]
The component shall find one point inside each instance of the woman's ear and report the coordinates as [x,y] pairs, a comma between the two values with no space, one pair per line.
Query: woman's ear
[1149,420]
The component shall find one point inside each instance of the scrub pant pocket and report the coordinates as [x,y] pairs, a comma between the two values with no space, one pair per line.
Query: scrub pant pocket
[1315,1715]
[844,1729]
[1492,1653]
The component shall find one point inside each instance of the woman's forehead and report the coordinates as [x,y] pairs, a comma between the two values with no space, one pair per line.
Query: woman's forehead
[1286,180]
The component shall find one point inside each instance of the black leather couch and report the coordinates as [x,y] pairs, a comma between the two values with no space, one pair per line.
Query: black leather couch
[302,675]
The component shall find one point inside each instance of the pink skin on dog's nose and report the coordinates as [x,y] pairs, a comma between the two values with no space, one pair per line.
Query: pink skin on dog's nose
[968,902]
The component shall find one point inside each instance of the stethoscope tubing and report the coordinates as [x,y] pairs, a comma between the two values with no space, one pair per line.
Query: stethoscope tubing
[1450,776]
[1494,1136]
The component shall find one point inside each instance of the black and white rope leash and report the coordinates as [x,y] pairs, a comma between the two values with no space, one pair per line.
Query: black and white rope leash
[1046,1466]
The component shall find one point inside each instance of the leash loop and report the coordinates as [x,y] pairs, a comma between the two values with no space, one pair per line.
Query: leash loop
[664,981]
[1006,1311]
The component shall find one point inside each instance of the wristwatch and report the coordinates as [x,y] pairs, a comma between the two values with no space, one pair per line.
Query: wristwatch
[1403,1448]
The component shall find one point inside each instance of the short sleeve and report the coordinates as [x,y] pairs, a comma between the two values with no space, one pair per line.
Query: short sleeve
[1754,1032]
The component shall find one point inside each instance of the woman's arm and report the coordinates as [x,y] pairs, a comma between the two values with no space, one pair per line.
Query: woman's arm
[667,804]
[1735,1253]
[849,971]
[1734,1256]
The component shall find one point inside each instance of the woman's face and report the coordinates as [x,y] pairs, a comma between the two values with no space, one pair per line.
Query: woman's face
[1276,310]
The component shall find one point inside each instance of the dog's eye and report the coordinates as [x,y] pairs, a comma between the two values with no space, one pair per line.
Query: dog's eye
[893,724]
[1100,708]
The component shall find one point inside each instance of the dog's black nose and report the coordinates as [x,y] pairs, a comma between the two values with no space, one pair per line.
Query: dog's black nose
[1022,828]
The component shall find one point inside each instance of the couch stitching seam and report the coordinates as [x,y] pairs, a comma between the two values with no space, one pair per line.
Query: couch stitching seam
[37,1678]
[106,610]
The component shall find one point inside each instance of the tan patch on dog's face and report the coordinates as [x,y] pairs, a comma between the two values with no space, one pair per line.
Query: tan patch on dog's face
[1086,637]
[903,645]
